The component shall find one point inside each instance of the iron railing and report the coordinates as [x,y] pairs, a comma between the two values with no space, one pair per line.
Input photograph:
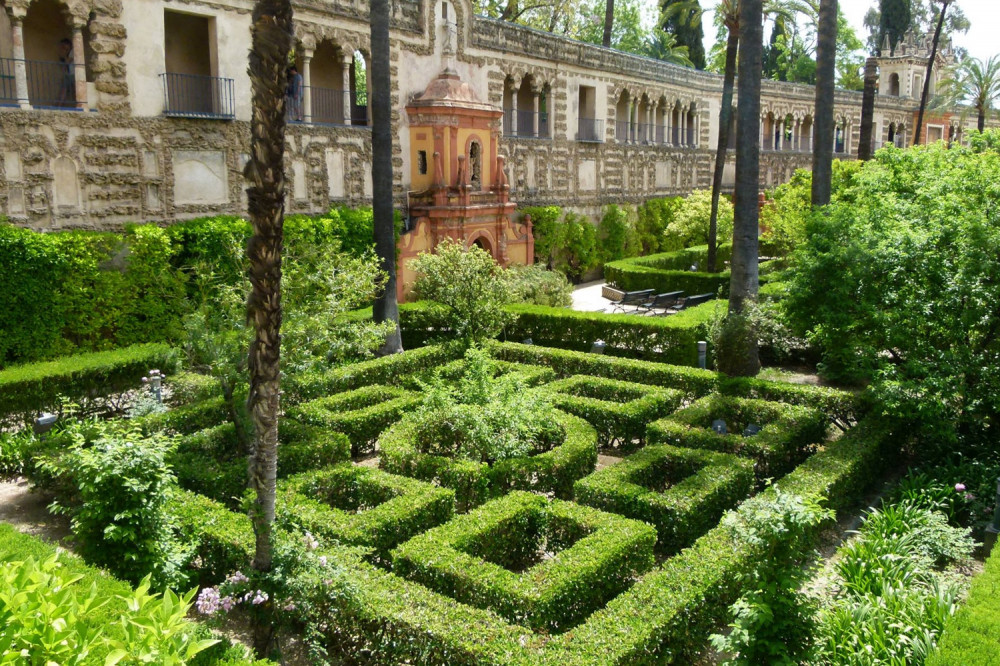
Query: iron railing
[590,129]
[524,127]
[691,143]
[326,107]
[51,85]
[623,131]
[193,96]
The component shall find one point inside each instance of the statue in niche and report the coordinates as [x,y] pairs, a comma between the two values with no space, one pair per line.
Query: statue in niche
[476,160]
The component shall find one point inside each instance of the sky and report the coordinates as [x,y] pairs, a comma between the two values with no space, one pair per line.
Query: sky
[981,41]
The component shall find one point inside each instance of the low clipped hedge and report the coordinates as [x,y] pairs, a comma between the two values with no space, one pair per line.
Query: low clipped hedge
[305,386]
[186,387]
[15,546]
[361,414]
[487,558]
[531,375]
[671,271]
[222,541]
[664,618]
[188,419]
[211,461]
[476,482]
[362,506]
[671,339]
[36,387]
[972,636]
[844,407]
[682,492]
[788,432]
[618,410]
[692,381]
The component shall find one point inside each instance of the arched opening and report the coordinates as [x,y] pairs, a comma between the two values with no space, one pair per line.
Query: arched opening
[483,243]
[328,93]
[661,121]
[359,89]
[692,127]
[805,134]
[839,138]
[476,166]
[623,111]
[787,133]
[894,85]
[644,130]
[510,92]
[50,55]
[918,86]
[675,125]
[526,107]
[769,134]
[892,134]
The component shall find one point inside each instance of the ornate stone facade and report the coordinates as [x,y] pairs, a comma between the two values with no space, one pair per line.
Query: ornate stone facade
[148,119]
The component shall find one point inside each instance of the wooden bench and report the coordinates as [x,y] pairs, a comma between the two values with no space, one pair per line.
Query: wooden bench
[631,298]
[661,301]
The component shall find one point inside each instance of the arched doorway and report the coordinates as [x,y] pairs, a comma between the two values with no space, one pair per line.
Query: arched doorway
[483,243]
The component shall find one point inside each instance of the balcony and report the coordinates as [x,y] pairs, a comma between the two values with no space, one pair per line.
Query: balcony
[521,124]
[50,85]
[325,106]
[193,96]
[590,129]
[623,131]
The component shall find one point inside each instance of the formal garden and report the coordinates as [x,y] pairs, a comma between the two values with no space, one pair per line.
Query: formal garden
[499,493]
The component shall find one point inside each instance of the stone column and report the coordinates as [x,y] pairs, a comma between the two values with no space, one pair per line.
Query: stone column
[536,102]
[513,112]
[79,68]
[684,126]
[20,68]
[346,62]
[651,124]
[307,102]
[763,120]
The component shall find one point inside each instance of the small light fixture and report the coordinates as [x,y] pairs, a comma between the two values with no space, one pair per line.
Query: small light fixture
[44,423]
[598,347]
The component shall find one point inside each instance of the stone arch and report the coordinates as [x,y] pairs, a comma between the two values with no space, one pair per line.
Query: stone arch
[623,116]
[893,87]
[48,29]
[483,241]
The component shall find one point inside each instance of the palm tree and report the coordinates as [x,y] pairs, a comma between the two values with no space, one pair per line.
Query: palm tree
[868,109]
[737,353]
[385,308]
[609,22]
[728,11]
[826,54]
[930,67]
[972,82]
[663,46]
[271,35]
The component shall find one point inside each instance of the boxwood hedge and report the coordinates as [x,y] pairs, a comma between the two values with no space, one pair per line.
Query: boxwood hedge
[475,482]
[361,414]
[489,558]
[618,410]
[682,492]
[35,387]
[788,432]
[362,506]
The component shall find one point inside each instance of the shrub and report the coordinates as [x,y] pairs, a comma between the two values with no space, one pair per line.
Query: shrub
[667,339]
[787,433]
[616,234]
[32,388]
[186,419]
[566,243]
[538,286]
[896,285]
[468,285]
[362,506]
[618,410]
[475,482]
[220,540]
[689,225]
[121,485]
[188,387]
[681,492]
[546,226]
[653,218]
[489,558]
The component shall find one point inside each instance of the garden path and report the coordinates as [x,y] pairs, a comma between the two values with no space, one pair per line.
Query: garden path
[26,509]
[587,297]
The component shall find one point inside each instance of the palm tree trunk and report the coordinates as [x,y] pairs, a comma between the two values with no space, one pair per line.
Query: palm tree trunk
[609,21]
[386,308]
[271,35]
[927,74]
[826,53]
[737,353]
[981,121]
[725,114]
[865,145]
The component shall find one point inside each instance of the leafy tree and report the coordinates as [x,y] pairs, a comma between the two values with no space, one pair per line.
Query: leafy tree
[691,223]
[385,309]
[972,82]
[271,43]
[688,31]
[738,353]
[652,220]
[468,285]
[616,235]
[896,285]
[627,32]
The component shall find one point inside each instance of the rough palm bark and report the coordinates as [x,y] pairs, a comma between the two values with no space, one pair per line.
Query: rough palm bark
[826,53]
[930,68]
[725,115]
[385,308]
[737,350]
[866,143]
[609,21]
[271,35]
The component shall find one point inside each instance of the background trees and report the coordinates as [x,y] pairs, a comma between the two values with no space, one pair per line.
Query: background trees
[972,82]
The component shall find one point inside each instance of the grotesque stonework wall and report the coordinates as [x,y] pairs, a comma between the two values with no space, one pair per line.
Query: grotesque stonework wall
[116,157]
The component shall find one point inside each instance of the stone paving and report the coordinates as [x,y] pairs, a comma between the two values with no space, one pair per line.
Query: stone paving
[587,297]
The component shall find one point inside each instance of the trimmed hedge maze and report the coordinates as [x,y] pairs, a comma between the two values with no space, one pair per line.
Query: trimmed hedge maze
[543,559]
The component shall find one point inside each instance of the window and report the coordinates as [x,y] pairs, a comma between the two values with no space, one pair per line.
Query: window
[422,162]
[192,86]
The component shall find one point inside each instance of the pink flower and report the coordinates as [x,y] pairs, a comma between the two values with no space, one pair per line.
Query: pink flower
[208,601]
[959,487]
